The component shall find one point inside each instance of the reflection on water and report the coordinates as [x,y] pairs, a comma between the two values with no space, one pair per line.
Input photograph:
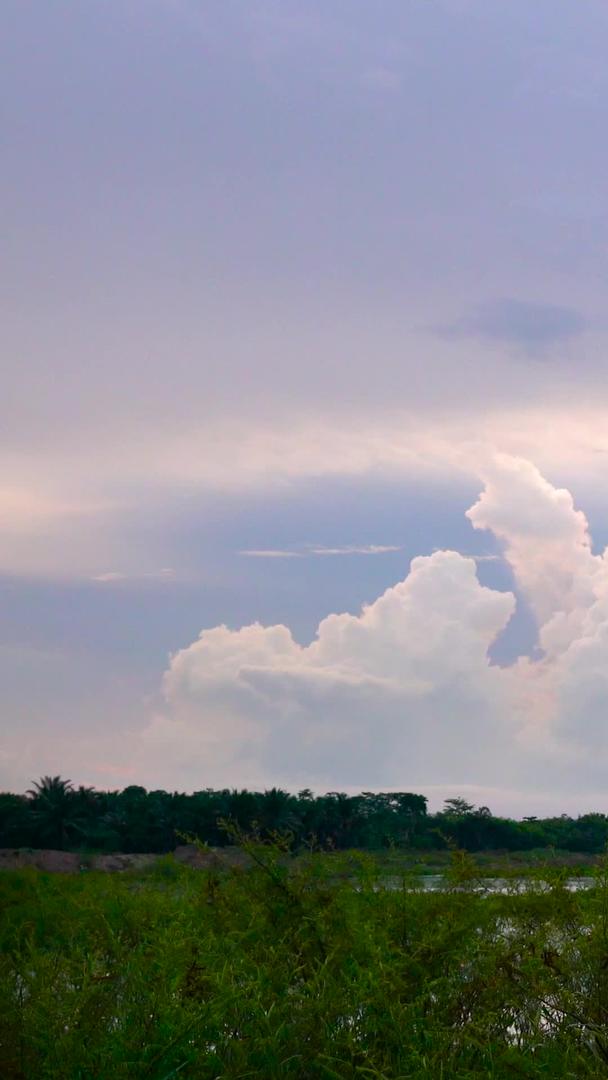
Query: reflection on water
[490,885]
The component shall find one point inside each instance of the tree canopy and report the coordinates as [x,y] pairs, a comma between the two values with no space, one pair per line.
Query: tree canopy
[56,814]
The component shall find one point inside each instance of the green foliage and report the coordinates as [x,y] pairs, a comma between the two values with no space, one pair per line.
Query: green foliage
[306,968]
[56,815]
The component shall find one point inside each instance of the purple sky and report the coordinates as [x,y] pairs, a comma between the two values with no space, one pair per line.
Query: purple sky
[279,281]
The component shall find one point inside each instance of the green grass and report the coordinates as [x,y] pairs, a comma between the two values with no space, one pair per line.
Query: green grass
[488,863]
[311,971]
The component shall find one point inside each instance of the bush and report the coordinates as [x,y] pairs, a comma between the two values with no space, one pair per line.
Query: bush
[313,969]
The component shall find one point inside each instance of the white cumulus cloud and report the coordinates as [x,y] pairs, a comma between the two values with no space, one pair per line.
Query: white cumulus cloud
[374,696]
[404,693]
[547,543]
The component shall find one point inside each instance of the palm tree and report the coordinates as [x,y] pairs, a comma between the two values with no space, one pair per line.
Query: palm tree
[55,810]
[277,810]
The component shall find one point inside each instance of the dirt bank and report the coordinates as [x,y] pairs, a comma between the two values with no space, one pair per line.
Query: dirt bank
[73,862]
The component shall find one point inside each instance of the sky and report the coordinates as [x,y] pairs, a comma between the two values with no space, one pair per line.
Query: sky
[303,412]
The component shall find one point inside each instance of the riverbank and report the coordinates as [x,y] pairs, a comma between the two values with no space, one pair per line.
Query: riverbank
[390,863]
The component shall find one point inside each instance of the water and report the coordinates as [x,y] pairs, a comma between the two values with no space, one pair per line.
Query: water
[490,885]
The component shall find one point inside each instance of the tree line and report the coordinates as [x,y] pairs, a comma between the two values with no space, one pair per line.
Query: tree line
[57,814]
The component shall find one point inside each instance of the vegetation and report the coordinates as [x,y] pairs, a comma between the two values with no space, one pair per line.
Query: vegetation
[273,973]
[55,814]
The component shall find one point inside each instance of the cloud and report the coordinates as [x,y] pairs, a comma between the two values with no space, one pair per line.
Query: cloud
[354,549]
[374,693]
[547,543]
[23,507]
[312,551]
[87,528]
[479,558]
[532,327]
[404,693]
[270,553]
[166,573]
